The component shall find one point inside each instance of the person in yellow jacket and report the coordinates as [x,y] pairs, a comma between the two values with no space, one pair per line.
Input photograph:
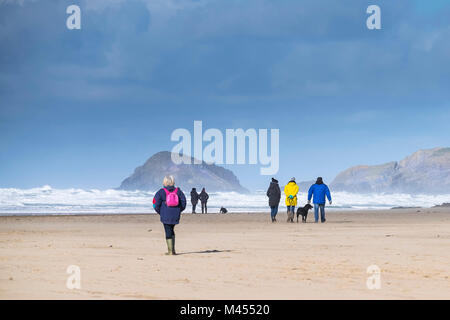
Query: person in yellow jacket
[291,190]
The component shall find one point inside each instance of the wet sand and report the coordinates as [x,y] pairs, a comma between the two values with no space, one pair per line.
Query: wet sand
[232,256]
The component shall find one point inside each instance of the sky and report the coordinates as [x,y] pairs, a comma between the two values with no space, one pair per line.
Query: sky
[83,108]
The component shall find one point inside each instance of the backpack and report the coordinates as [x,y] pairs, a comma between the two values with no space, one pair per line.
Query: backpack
[172,198]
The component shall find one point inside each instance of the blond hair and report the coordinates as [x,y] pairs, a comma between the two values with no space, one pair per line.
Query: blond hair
[169,181]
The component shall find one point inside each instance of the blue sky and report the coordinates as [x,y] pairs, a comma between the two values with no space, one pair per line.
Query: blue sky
[83,108]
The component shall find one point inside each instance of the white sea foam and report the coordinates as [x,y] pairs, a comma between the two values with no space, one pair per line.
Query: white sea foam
[48,201]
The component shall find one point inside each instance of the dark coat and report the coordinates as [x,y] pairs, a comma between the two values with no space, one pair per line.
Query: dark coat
[194,197]
[169,215]
[274,194]
[203,196]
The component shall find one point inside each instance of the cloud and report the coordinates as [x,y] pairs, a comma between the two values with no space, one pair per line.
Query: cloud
[225,48]
[248,63]
[19,2]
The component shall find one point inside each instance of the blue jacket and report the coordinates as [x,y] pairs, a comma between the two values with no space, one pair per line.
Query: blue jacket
[319,191]
[169,215]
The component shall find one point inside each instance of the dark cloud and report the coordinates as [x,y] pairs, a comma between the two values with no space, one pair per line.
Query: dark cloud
[227,47]
[248,63]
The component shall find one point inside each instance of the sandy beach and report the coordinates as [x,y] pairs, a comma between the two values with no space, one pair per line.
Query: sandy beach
[232,256]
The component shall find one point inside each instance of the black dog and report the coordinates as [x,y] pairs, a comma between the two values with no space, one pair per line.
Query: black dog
[304,212]
[223,210]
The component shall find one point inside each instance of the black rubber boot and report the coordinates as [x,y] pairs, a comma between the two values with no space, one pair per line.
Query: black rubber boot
[173,246]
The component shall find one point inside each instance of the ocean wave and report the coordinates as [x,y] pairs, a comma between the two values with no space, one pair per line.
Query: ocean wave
[48,201]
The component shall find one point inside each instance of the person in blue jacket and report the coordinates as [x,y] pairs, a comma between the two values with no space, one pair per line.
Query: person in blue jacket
[319,190]
[169,202]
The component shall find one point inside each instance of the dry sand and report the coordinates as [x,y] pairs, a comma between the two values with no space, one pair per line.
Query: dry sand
[233,256]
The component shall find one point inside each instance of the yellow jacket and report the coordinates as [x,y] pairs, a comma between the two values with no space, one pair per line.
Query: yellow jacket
[291,189]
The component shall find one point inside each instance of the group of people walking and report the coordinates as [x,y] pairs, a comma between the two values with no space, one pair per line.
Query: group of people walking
[318,192]
[202,196]
[170,201]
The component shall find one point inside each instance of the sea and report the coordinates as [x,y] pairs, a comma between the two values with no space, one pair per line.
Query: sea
[46,200]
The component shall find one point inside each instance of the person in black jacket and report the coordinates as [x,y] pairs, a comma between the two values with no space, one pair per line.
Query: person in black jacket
[274,194]
[194,199]
[203,196]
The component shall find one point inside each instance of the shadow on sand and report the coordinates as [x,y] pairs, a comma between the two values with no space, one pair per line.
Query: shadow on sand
[343,221]
[328,222]
[204,251]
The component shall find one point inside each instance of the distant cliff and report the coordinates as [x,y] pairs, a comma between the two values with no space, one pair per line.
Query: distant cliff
[424,172]
[305,185]
[187,176]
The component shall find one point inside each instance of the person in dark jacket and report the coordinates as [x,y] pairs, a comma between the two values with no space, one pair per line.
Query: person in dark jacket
[320,191]
[203,196]
[274,194]
[169,215]
[194,199]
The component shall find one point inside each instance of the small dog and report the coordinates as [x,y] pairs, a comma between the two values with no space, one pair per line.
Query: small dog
[223,210]
[304,212]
